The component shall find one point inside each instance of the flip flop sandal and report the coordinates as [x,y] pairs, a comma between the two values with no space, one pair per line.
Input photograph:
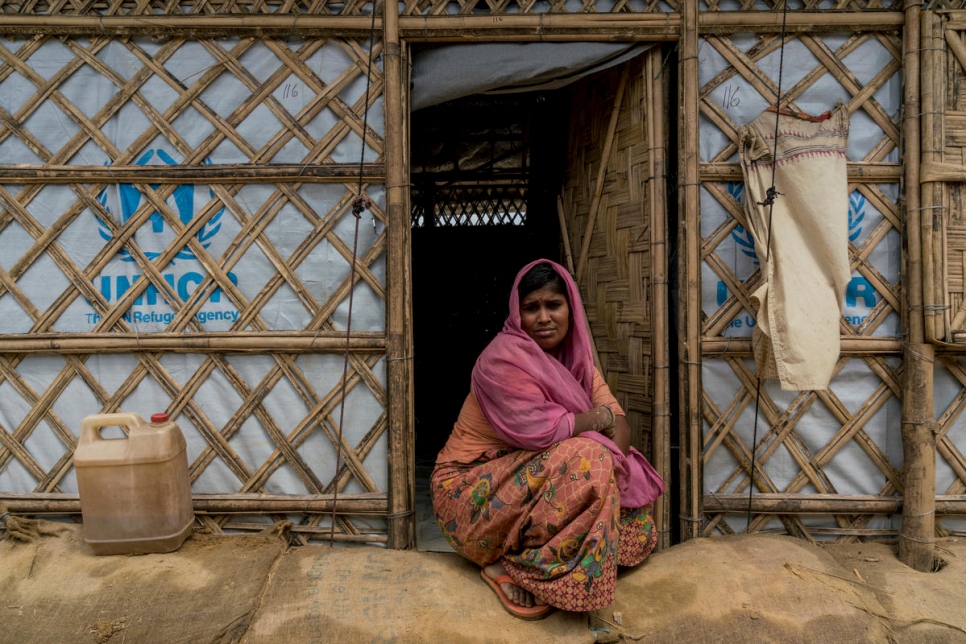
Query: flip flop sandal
[522,612]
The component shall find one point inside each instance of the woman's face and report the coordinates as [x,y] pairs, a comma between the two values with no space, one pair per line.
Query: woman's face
[545,317]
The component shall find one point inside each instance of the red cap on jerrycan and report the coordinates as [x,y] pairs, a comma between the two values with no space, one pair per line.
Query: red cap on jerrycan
[159,418]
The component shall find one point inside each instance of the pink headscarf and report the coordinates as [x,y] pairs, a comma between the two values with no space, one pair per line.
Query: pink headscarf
[530,397]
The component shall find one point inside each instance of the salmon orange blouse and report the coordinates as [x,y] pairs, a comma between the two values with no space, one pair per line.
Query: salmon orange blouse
[472,435]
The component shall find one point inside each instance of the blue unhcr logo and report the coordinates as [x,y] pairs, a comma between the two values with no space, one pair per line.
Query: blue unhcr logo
[741,237]
[859,288]
[182,200]
[856,214]
[746,243]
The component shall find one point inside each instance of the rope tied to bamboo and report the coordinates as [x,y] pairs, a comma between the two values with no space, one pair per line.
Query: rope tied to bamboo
[361,204]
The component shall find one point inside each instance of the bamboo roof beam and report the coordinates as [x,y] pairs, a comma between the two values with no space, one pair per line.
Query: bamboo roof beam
[649,27]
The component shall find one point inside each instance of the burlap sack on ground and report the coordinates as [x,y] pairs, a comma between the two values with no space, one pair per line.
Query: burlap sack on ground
[322,594]
[749,588]
[55,589]
[744,589]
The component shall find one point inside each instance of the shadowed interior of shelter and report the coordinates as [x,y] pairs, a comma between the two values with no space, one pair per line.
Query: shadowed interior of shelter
[486,171]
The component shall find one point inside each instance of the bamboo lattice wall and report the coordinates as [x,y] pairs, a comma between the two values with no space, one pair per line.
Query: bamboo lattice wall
[805,438]
[248,364]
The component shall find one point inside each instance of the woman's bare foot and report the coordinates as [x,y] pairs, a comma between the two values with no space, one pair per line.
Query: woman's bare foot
[514,593]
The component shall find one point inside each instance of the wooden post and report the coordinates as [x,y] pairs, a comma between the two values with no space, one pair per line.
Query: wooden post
[660,351]
[399,356]
[917,536]
[689,282]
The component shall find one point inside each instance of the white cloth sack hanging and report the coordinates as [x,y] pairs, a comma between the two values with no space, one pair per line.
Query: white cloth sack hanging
[806,270]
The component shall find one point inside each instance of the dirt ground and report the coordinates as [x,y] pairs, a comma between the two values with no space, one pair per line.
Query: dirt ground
[255,589]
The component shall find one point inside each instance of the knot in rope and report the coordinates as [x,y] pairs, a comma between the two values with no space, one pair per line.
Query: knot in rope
[770,195]
[360,204]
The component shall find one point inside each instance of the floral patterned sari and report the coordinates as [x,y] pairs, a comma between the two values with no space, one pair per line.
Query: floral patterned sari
[552,517]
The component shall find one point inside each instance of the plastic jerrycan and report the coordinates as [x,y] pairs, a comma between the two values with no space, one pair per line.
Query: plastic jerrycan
[135,493]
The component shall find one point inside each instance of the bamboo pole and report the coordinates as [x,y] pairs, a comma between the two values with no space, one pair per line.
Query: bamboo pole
[712,347]
[188,26]
[366,503]
[933,171]
[399,358]
[917,536]
[601,173]
[233,342]
[546,27]
[858,172]
[193,173]
[777,503]
[761,22]
[565,234]
[602,27]
[654,108]
[689,281]
[410,457]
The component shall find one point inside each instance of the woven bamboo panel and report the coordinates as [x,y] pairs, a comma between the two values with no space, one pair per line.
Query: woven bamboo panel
[945,232]
[616,282]
[842,441]
[156,271]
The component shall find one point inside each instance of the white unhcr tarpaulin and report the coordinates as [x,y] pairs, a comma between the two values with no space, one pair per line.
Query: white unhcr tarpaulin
[199,90]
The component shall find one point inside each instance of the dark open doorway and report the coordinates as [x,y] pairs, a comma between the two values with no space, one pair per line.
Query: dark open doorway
[485,172]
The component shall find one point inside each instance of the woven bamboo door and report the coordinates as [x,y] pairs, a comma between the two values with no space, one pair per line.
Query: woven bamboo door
[615,210]
[177,232]
[844,440]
